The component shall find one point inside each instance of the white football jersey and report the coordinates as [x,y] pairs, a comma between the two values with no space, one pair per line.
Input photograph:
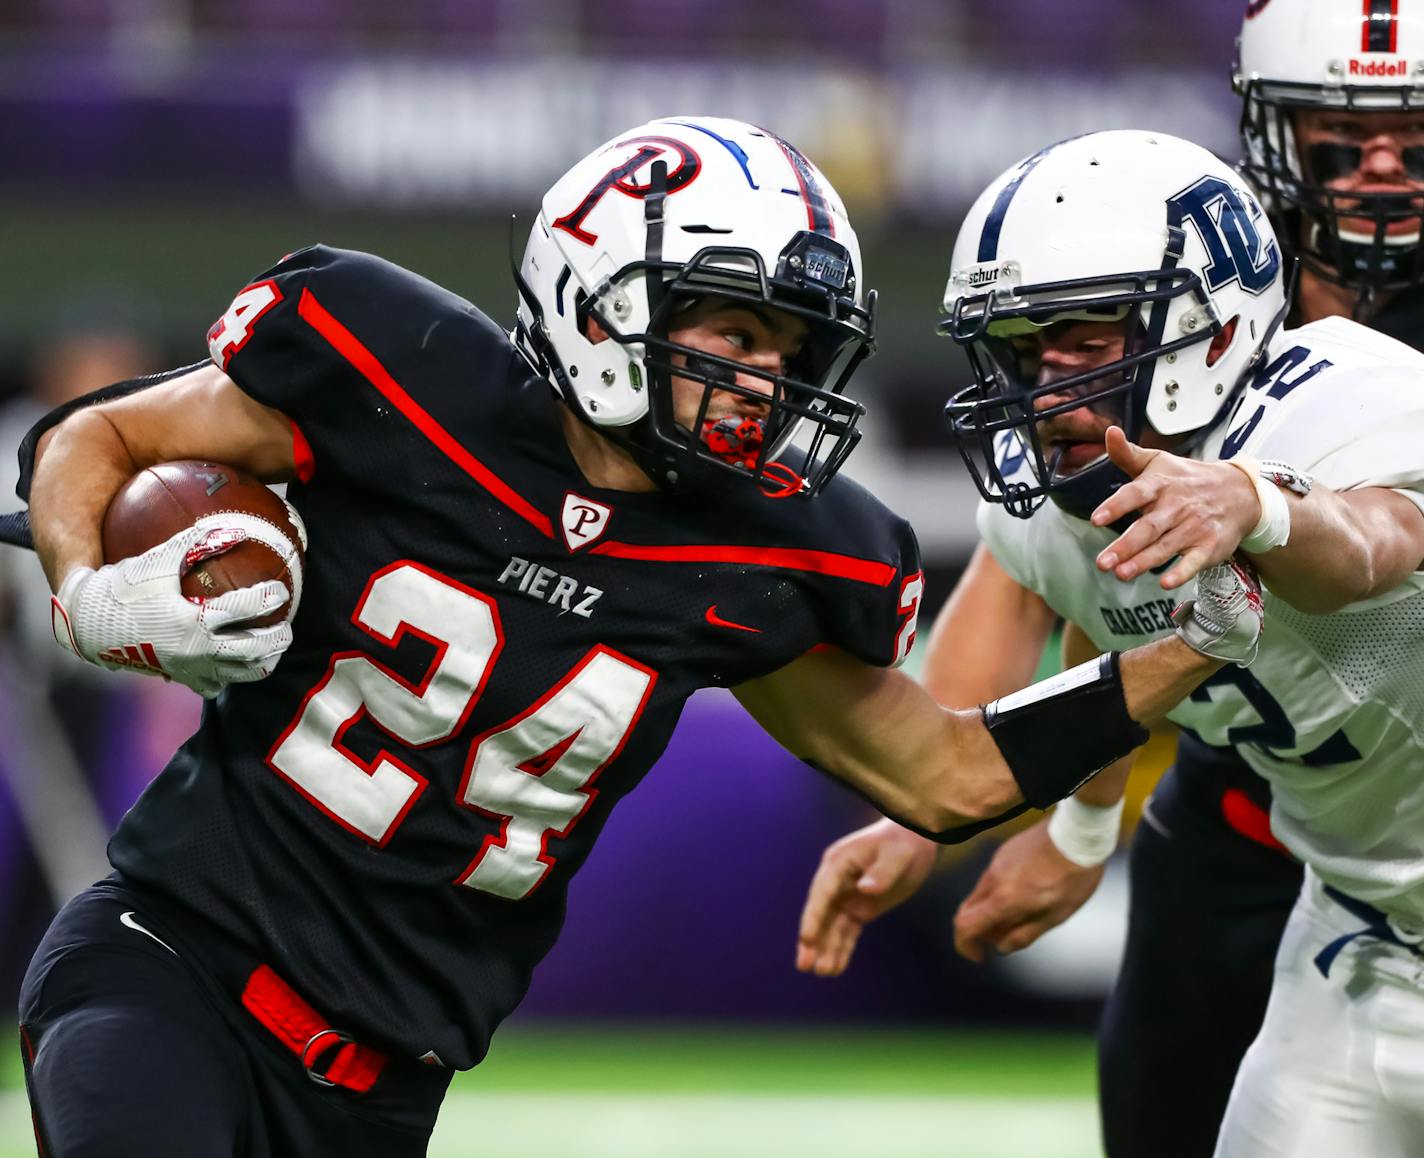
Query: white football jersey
[1332,711]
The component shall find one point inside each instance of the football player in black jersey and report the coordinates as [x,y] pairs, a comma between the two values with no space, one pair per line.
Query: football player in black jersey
[1333,132]
[341,884]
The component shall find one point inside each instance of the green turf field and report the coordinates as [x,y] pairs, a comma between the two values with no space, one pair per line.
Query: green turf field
[610,1092]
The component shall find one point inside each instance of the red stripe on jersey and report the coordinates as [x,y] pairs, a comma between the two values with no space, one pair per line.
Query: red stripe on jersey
[790,558]
[302,454]
[1249,819]
[345,343]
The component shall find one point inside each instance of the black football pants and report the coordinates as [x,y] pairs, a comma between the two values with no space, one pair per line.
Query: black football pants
[131,1051]
[1207,909]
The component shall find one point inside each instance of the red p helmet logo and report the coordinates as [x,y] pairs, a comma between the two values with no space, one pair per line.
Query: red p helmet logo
[622,178]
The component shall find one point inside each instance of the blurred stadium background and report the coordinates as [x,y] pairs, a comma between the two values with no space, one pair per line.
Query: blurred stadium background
[158,152]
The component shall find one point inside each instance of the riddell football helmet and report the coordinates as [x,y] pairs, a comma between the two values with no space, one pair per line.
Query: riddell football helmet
[1333,55]
[677,211]
[1139,229]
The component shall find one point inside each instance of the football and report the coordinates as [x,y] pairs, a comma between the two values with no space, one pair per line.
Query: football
[162,500]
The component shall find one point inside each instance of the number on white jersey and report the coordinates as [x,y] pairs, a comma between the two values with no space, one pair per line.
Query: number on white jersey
[1269,384]
[1275,734]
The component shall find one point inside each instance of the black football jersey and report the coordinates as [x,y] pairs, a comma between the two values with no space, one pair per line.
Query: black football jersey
[488,655]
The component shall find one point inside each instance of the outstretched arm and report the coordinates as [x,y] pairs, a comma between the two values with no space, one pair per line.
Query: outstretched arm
[1343,546]
[870,871]
[986,642]
[950,773]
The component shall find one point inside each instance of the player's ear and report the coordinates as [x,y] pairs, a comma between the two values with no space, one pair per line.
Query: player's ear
[1221,342]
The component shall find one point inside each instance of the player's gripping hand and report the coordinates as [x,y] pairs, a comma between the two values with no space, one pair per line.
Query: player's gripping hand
[860,877]
[1225,618]
[1194,512]
[1028,888]
[133,616]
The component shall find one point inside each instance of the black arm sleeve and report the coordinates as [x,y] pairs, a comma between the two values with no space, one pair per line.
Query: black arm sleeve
[1055,736]
[1058,734]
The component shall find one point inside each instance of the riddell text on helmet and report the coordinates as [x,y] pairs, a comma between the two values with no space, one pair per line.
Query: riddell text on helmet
[1379,67]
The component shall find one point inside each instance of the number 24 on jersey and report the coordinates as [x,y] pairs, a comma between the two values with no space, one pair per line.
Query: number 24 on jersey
[534,773]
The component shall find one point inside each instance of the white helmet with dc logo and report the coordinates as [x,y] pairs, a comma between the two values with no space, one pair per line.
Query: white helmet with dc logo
[680,210]
[1131,227]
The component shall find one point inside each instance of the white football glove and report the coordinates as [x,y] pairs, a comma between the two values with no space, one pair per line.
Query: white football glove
[133,616]
[1225,619]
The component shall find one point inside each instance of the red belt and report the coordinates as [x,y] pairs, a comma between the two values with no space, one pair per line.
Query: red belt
[304,1031]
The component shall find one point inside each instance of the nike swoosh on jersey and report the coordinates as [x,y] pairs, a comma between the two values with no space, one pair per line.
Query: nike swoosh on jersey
[717,621]
[127,920]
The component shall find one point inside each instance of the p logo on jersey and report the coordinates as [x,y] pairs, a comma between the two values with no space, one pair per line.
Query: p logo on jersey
[582,520]
[1226,223]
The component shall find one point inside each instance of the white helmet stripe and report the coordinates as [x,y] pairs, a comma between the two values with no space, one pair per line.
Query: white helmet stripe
[994,222]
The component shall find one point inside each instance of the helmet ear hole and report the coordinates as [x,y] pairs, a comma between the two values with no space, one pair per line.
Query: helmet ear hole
[588,325]
[1222,342]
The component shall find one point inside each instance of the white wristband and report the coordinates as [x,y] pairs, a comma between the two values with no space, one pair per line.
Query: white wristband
[1085,833]
[1272,529]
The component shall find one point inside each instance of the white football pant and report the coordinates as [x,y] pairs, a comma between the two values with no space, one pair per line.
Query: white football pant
[1337,1070]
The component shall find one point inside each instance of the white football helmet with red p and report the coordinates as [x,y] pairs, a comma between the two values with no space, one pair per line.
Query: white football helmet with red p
[674,211]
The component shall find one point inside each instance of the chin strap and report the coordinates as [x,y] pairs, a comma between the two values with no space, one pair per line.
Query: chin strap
[653,205]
